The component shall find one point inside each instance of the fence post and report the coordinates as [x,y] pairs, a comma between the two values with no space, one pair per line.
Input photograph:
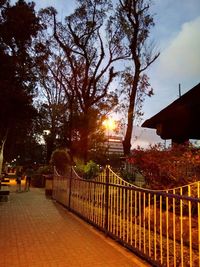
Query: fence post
[106,198]
[53,183]
[70,189]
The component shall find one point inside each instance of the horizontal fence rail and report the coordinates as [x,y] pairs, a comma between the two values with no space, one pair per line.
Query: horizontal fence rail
[161,226]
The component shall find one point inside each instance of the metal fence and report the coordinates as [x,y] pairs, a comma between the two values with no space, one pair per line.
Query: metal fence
[161,226]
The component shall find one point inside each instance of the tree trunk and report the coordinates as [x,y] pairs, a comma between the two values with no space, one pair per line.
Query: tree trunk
[85,145]
[85,138]
[129,129]
[1,154]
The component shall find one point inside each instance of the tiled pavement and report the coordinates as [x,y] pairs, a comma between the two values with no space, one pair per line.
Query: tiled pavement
[36,232]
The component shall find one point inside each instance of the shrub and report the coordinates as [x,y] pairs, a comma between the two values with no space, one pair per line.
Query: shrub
[167,168]
[61,160]
[46,169]
[89,170]
[38,179]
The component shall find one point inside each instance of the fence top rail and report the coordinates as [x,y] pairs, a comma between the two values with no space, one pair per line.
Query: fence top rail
[178,188]
[140,189]
[137,188]
[74,171]
[121,179]
[156,190]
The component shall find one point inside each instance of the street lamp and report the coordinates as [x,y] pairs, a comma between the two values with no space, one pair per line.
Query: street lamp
[46,134]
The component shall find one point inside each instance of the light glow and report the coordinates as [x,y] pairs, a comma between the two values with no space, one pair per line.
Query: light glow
[109,124]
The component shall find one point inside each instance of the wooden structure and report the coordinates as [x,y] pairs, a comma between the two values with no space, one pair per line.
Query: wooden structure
[180,120]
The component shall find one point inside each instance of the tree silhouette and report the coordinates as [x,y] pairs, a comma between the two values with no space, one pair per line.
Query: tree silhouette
[135,21]
[89,59]
[18,26]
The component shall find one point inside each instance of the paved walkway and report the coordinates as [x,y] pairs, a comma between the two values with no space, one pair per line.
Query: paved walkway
[36,231]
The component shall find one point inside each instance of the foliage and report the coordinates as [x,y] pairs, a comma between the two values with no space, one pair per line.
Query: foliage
[45,169]
[60,158]
[18,27]
[89,170]
[127,175]
[167,168]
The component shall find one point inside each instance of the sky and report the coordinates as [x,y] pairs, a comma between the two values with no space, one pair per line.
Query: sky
[177,38]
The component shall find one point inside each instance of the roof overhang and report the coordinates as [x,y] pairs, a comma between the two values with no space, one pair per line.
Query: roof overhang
[181,119]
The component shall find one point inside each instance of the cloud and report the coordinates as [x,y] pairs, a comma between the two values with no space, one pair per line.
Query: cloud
[144,137]
[180,60]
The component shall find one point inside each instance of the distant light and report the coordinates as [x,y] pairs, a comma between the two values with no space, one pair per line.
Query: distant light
[109,124]
[46,132]
[115,140]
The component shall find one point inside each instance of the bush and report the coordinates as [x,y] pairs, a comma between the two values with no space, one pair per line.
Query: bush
[61,160]
[128,176]
[38,179]
[46,169]
[87,171]
[91,170]
[167,168]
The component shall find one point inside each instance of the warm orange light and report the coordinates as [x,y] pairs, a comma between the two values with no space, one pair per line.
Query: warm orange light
[109,124]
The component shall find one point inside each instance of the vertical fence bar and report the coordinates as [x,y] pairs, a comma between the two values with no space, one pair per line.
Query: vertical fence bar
[135,218]
[101,203]
[174,228]
[106,199]
[98,214]
[112,180]
[140,221]
[114,208]
[101,198]
[90,200]
[94,203]
[83,196]
[131,218]
[70,189]
[109,208]
[181,225]
[120,212]
[127,216]
[144,221]
[155,227]
[118,197]
[149,223]
[87,200]
[80,198]
[124,212]
[190,225]
[161,234]
[198,207]
[167,228]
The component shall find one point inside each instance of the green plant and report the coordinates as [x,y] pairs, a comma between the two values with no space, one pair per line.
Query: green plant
[89,170]
[127,175]
[46,169]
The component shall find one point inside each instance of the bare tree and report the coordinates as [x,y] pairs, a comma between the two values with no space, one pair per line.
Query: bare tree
[91,45]
[135,21]
[52,98]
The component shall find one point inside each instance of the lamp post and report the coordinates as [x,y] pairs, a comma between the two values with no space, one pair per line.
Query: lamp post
[109,125]
[46,134]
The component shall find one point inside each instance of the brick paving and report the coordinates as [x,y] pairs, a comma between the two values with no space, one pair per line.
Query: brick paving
[36,231]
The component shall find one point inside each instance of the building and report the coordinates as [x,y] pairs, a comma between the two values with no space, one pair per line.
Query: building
[114,145]
[180,120]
